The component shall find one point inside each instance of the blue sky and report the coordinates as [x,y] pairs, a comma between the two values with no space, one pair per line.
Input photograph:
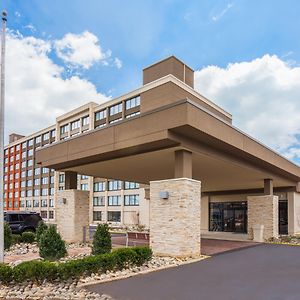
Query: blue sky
[246,54]
[141,32]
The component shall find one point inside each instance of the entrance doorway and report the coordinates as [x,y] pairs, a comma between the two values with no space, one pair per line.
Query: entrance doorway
[283,217]
[228,216]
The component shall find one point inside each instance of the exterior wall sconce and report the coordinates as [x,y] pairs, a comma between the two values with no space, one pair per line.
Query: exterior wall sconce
[62,201]
[164,195]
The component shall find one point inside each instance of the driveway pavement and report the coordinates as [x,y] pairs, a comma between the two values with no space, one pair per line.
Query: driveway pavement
[263,272]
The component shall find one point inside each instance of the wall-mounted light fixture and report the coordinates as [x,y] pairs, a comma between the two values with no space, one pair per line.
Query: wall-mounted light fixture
[164,195]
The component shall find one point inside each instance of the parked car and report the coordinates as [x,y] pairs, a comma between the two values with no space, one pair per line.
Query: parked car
[20,222]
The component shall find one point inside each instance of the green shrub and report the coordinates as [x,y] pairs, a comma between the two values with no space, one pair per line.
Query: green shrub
[51,245]
[38,271]
[7,236]
[16,239]
[143,254]
[28,237]
[42,227]
[35,271]
[102,240]
[6,273]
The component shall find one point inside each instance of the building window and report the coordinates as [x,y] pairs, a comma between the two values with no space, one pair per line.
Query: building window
[29,193]
[83,177]
[131,185]
[36,192]
[114,216]
[53,133]
[22,203]
[51,214]
[133,102]
[97,216]
[44,203]
[99,201]
[114,185]
[16,203]
[85,120]
[84,187]
[38,139]
[51,191]
[64,129]
[51,202]
[61,188]
[29,173]
[99,186]
[46,136]
[18,147]
[28,203]
[29,183]
[131,200]
[133,115]
[100,115]
[44,192]
[75,125]
[45,180]
[35,203]
[113,110]
[36,181]
[24,145]
[43,214]
[29,162]
[61,178]
[30,143]
[22,194]
[37,171]
[114,200]
[45,170]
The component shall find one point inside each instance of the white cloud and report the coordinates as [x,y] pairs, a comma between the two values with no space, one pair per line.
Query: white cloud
[218,16]
[81,50]
[263,96]
[36,91]
[118,63]
[30,27]
[17,14]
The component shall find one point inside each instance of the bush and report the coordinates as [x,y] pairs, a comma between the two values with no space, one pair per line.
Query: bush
[51,245]
[35,271]
[6,273]
[39,271]
[7,236]
[28,237]
[16,239]
[102,240]
[42,227]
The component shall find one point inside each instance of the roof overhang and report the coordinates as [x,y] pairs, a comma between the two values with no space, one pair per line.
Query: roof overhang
[142,149]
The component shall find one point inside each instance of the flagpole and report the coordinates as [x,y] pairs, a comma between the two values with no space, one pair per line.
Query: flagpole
[2,97]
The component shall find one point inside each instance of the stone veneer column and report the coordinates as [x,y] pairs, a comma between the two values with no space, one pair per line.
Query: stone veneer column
[263,210]
[72,214]
[175,222]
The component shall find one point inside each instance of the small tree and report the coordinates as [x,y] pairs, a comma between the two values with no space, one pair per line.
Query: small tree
[51,245]
[7,236]
[42,227]
[102,240]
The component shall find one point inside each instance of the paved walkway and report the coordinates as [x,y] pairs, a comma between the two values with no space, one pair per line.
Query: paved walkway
[264,272]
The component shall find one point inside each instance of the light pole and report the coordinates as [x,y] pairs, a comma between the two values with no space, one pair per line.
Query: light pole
[2,96]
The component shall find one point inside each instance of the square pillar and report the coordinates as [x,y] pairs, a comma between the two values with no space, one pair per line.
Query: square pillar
[263,210]
[293,213]
[72,214]
[175,213]
[70,180]
[183,164]
[268,186]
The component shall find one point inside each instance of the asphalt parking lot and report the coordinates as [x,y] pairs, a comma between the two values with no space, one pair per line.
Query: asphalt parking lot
[261,272]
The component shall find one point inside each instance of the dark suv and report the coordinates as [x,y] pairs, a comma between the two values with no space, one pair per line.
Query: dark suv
[20,222]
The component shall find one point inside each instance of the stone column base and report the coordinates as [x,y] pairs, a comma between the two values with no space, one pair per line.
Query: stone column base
[175,220]
[263,210]
[72,214]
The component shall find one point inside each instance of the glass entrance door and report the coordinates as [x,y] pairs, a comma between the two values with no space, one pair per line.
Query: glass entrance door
[228,216]
[283,217]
